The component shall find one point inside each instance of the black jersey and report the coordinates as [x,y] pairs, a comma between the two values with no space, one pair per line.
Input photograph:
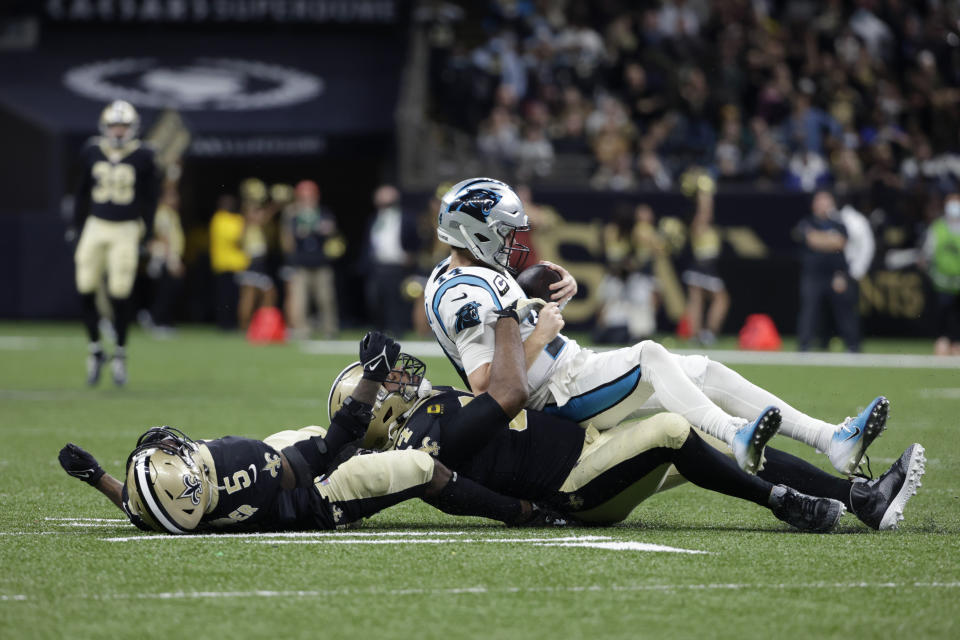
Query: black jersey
[249,495]
[529,456]
[117,184]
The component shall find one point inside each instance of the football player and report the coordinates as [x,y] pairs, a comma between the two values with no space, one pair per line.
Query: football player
[114,208]
[294,479]
[478,218]
[600,477]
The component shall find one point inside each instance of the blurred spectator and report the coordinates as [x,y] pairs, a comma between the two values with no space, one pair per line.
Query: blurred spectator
[387,262]
[941,253]
[227,258]
[256,283]
[534,154]
[165,266]
[310,242]
[825,276]
[807,171]
[702,277]
[543,221]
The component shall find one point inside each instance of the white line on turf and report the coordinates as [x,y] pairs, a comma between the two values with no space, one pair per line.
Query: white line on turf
[890,360]
[621,546]
[18,596]
[283,534]
[481,590]
[87,519]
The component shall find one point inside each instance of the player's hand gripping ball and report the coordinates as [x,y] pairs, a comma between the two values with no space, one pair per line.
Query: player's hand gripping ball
[536,280]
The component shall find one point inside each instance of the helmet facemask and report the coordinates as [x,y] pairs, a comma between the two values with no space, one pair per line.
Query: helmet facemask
[119,112]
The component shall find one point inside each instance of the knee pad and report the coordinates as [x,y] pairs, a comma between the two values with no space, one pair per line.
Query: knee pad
[696,368]
[672,429]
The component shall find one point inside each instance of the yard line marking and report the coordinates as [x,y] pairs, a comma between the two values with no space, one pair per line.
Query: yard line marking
[623,546]
[891,360]
[347,540]
[87,519]
[482,590]
[952,393]
[18,596]
[283,534]
[18,343]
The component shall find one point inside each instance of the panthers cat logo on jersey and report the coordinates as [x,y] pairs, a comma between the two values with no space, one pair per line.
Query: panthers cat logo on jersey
[193,489]
[467,316]
[476,203]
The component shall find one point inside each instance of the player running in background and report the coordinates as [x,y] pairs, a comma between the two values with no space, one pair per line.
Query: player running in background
[478,219]
[176,485]
[114,209]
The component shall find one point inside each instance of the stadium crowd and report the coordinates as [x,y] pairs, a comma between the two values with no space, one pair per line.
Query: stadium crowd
[860,96]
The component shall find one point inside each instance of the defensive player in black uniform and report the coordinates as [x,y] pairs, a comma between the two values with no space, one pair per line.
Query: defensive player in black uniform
[600,477]
[177,485]
[114,208]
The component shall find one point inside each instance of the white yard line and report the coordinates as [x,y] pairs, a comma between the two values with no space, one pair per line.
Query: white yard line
[87,519]
[284,534]
[890,360]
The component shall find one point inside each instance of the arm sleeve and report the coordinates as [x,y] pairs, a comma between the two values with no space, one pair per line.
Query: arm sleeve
[81,200]
[314,456]
[474,426]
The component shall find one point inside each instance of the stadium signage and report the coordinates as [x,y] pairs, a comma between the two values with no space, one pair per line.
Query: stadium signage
[222,11]
[219,84]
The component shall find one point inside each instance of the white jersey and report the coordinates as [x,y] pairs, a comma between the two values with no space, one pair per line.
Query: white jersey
[459,303]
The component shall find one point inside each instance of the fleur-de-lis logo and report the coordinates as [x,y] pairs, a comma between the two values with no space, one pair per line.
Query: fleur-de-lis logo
[430,446]
[193,488]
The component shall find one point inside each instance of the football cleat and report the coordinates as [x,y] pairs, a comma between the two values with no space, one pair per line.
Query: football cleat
[118,367]
[95,362]
[751,438]
[807,513]
[879,503]
[854,435]
[543,517]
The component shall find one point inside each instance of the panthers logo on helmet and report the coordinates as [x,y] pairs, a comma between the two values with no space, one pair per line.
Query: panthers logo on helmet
[467,316]
[193,489]
[477,203]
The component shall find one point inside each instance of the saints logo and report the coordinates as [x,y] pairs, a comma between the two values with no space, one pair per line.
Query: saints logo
[193,489]
[273,464]
[575,502]
[337,513]
[430,446]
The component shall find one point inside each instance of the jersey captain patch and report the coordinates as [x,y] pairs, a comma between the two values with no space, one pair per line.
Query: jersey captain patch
[467,316]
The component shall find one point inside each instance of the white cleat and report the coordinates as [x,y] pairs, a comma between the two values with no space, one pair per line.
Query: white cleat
[854,435]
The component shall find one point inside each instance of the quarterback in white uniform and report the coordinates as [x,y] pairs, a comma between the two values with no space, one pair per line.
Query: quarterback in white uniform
[478,219]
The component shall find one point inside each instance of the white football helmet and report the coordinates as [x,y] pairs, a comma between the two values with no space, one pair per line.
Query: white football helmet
[405,386]
[482,215]
[119,112]
[167,488]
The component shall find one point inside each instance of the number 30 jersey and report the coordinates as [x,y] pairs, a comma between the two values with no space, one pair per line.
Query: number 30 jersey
[458,304]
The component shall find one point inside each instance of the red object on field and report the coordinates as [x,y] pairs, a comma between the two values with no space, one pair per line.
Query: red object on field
[267,326]
[683,328]
[760,334]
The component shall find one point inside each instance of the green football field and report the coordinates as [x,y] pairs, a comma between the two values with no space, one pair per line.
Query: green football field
[686,564]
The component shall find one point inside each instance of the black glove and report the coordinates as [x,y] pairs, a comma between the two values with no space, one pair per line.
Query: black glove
[80,464]
[378,354]
[542,517]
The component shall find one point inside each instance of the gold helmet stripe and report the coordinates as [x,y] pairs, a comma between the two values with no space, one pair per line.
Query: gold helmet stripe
[146,490]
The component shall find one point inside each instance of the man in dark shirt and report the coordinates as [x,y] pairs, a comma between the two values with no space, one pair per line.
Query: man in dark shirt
[308,479]
[825,275]
[115,205]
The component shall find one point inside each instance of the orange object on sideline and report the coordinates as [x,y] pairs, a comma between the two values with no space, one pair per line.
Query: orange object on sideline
[267,326]
[683,328]
[760,334]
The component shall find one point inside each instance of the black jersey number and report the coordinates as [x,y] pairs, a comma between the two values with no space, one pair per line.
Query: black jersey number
[115,183]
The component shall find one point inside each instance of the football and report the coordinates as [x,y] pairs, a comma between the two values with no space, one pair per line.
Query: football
[536,280]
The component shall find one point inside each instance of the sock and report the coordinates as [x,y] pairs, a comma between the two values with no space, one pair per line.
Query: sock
[464,497]
[121,318]
[706,467]
[91,319]
[95,347]
[739,396]
[677,393]
[796,473]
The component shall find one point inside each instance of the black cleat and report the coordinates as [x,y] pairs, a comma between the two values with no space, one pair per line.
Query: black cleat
[95,362]
[544,518]
[879,503]
[807,513]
